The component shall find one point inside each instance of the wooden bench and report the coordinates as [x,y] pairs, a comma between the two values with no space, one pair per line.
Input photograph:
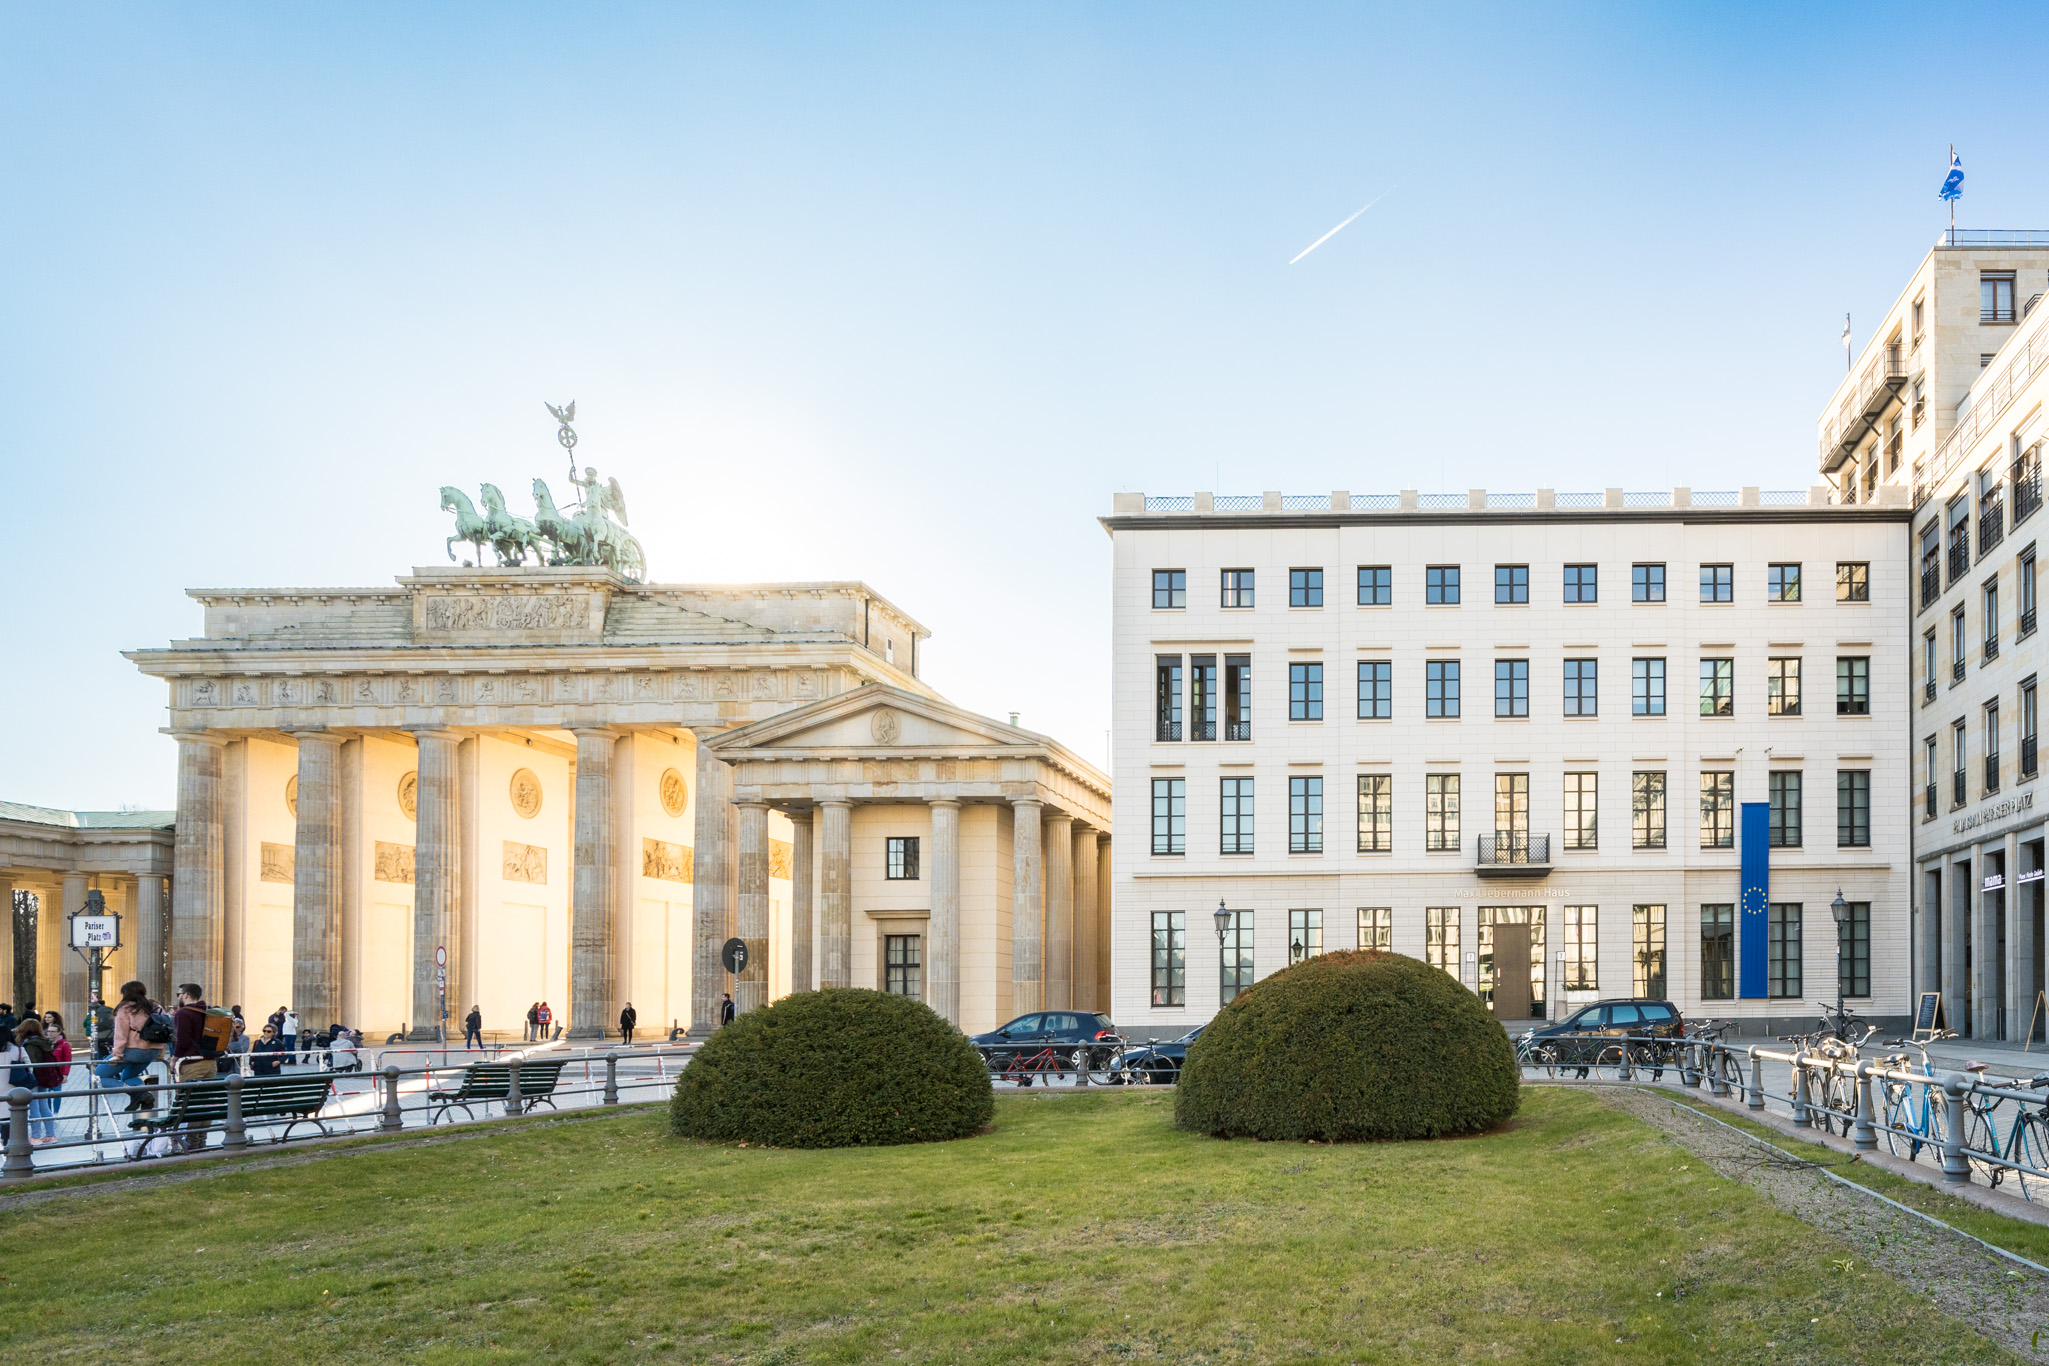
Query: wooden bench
[297,1097]
[484,1082]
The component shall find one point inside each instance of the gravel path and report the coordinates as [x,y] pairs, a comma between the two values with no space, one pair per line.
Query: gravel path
[2006,1302]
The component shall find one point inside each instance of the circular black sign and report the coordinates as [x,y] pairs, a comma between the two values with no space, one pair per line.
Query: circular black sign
[734,955]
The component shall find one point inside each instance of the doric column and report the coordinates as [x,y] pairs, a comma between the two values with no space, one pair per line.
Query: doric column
[7,992]
[198,906]
[316,883]
[1027,909]
[437,873]
[1961,888]
[152,942]
[464,954]
[750,989]
[711,885]
[1059,912]
[71,984]
[942,956]
[1085,918]
[1928,931]
[835,894]
[1986,964]
[592,1004]
[802,826]
[1105,939]
[349,838]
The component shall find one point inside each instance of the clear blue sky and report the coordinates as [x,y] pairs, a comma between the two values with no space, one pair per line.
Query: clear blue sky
[906,294]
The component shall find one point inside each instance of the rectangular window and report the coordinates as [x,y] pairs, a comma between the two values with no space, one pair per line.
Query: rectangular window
[1718,951]
[2030,753]
[1992,619]
[1511,687]
[1928,667]
[1305,692]
[1582,583]
[1647,583]
[1853,685]
[1957,741]
[1582,971]
[903,972]
[1647,687]
[1376,813]
[1376,928]
[1991,747]
[1959,515]
[1718,583]
[1202,697]
[1581,692]
[1782,583]
[1582,810]
[1170,815]
[1305,588]
[1167,697]
[1647,809]
[1512,812]
[1718,687]
[1928,764]
[1237,697]
[1170,588]
[1853,939]
[1440,687]
[902,854]
[1237,588]
[1440,584]
[1376,690]
[1236,816]
[1853,808]
[1440,938]
[1647,952]
[1995,296]
[1305,935]
[1781,687]
[1718,810]
[1170,958]
[2024,578]
[1440,812]
[1782,950]
[1784,789]
[1959,646]
[1511,583]
[1236,955]
[1376,585]
[1853,581]
[1305,815]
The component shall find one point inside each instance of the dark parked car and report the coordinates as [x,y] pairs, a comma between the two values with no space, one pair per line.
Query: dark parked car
[1065,1032]
[1596,1033]
[1159,1063]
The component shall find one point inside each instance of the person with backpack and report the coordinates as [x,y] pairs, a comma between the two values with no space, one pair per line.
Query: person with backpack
[543,1017]
[193,1052]
[141,1030]
[473,1029]
[533,1020]
[49,1055]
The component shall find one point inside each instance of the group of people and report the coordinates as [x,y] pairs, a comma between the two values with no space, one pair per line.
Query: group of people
[539,1021]
[37,1057]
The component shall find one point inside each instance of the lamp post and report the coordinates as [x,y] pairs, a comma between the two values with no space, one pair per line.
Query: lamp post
[1840,909]
[1223,919]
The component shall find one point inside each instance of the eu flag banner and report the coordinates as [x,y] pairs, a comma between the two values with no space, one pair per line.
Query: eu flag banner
[1953,183]
[1752,898]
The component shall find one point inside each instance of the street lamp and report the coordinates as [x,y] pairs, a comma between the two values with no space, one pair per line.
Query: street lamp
[1223,919]
[1840,909]
[1295,952]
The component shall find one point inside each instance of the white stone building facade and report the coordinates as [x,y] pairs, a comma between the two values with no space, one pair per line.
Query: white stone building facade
[1629,671]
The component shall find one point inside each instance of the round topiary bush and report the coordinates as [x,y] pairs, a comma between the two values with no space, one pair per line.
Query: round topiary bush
[838,1068]
[1350,1046]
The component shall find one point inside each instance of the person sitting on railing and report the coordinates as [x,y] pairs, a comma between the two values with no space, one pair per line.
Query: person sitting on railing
[132,1055]
[268,1053]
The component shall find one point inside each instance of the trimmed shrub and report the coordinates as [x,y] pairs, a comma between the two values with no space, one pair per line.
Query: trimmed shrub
[1350,1046]
[839,1068]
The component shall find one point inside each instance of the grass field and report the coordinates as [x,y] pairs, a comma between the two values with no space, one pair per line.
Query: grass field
[1082,1228]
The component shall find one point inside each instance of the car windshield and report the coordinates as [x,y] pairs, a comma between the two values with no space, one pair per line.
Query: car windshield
[1192,1035]
[1590,1018]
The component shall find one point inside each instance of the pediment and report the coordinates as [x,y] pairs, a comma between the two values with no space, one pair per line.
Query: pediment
[876,717]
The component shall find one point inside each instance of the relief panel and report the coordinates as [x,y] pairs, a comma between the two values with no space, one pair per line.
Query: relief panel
[669,862]
[526,863]
[394,863]
[277,862]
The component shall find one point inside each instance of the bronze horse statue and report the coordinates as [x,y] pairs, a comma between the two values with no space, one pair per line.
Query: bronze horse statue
[469,527]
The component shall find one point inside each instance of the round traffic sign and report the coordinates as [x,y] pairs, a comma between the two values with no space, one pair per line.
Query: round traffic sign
[734,955]
[440,956]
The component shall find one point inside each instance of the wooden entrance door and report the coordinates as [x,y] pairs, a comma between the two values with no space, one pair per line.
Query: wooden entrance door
[1511,972]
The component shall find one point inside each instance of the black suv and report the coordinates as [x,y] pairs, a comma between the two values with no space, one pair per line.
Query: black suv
[1064,1031]
[1592,1032]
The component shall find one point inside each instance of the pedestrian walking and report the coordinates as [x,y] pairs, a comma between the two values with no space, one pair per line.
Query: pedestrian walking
[533,1021]
[49,1055]
[627,1019]
[289,1030]
[141,1030]
[267,1054]
[726,1009]
[473,1029]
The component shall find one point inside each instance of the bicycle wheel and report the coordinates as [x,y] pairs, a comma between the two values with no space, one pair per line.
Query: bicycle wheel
[2027,1148]
[1896,1112]
[1981,1136]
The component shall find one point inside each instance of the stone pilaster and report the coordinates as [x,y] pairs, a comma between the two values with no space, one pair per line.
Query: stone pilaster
[349,836]
[316,883]
[1105,939]
[71,975]
[198,908]
[711,886]
[7,992]
[437,875]
[152,937]
[942,951]
[1059,912]
[477,864]
[592,1003]
[835,894]
[1960,888]
[1928,930]
[750,988]
[1027,909]
[1085,918]
[802,827]
[1986,964]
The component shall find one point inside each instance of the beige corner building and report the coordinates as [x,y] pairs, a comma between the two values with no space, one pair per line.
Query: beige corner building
[502,786]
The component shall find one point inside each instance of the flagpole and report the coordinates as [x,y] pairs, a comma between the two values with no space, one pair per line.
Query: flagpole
[1952,202]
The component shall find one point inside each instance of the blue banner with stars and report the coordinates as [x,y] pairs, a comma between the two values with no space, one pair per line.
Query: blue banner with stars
[1753,899]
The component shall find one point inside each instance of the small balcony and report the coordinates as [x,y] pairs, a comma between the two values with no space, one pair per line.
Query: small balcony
[1929,805]
[1991,526]
[1956,671]
[1991,649]
[1202,730]
[2028,756]
[1927,692]
[1931,583]
[1237,730]
[1957,792]
[1514,854]
[2027,492]
[1991,773]
[1959,551]
[1167,730]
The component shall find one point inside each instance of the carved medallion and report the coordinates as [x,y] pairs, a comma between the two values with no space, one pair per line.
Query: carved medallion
[277,862]
[292,794]
[885,727]
[526,799]
[526,862]
[675,792]
[409,797]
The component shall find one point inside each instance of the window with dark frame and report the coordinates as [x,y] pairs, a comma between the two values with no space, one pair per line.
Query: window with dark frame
[1440,688]
[1305,934]
[1853,581]
[1853,685]
[1647,952]
[1170,815]
[1718,687]
[1959,738]
[1718,809]
[1236,955]
[1440,812]
[903,972]
[1305,692]
[1647,809]
[1647,687]
[1237,697]
[1582,948]
[1167,697]
[1376,813]
[1237,587]
[1781,686]
[1718,951]
[2024,581]
[1511,687]
[901,855]
[1376,690]
[1582,691]
[1235,816]
[1991,747]
[2030,753]
[1785,825]
[1991,618]
[1512,583]
[1782,583]
[1782,975]
[1995,296]
[1376,585]
[1959,645]
[1170,588]
[1305,588]
[1440,585]
[1305,814]
[1170,958]
[1582,810]
[1718,583]
[1582,583]
[1853,939]
[1647,583]
[1853,808]
[1202,697]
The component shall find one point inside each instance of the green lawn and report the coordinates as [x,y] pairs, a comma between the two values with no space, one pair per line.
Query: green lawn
[1082,1228]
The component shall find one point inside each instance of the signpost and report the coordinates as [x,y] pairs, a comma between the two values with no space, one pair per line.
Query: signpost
[441,987]
[95,932]
[733,953]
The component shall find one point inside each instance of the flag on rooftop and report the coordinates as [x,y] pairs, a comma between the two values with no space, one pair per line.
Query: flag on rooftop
[1953,183]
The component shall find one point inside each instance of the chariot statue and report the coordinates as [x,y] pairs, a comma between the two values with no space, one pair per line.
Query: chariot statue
[592,532]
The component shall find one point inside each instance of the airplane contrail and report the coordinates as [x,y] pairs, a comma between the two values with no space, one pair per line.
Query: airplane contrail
[1341,227]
